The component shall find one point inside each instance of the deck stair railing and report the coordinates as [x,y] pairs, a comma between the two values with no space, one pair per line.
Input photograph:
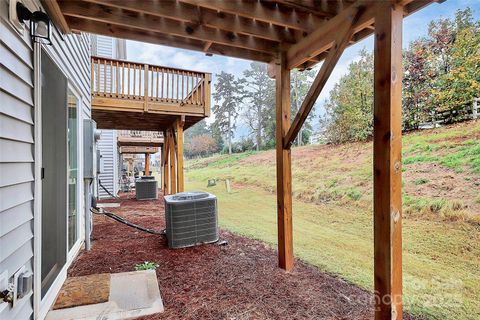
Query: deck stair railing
[113,78]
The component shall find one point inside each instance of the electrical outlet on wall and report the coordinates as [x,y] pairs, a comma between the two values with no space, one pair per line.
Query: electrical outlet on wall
[15,284]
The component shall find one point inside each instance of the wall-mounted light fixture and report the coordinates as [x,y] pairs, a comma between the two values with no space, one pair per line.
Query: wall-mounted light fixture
[40,25]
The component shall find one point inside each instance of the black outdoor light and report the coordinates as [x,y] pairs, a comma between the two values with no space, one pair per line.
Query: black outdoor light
[40,26]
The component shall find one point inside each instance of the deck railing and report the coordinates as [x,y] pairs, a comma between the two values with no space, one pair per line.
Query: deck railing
[113,78]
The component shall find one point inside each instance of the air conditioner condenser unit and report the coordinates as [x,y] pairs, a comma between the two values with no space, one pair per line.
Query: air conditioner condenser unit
[191,219]
[146,188]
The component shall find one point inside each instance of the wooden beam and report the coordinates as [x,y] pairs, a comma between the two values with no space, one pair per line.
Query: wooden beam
[180,181]
[147,22]
[258,11]
[54,12]
[284,167]
[201,16]
[322,39]
[127,105]
[107,29]
[387,160]
[344,35]
[137,149]
[207,46]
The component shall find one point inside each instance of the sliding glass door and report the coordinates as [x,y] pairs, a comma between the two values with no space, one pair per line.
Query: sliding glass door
[54,171]
[73,174]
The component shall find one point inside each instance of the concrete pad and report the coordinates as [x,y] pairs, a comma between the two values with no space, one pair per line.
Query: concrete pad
[108,205]
[132,294]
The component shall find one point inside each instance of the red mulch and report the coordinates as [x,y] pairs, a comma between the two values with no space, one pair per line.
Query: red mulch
[237,281]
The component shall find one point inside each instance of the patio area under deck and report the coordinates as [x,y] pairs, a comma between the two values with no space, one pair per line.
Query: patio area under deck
[287,35]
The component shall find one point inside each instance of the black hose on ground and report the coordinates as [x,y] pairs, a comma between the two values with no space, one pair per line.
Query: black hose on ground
[130,224]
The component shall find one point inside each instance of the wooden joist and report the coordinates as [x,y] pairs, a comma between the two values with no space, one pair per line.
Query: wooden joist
[326,9]
[344,35]
[151,23]
[202,16]
[258,11]
[83,25]
[387,162]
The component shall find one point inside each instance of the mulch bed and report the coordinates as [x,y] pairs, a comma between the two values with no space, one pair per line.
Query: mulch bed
[238,281]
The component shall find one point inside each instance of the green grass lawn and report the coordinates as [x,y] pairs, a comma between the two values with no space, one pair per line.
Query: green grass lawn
[333,216]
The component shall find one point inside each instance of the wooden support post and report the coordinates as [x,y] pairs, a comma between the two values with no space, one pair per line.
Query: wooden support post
[387,153]
[165,150]
[180,179]
[284,169]
[173,173]
[147,164]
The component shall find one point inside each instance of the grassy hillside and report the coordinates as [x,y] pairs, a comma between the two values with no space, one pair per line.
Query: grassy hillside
[333,212]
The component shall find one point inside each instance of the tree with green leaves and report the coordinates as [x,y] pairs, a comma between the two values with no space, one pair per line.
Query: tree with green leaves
[349,109]
[228,97]
[454,47]
[301,81]
[441,79]
[257,85]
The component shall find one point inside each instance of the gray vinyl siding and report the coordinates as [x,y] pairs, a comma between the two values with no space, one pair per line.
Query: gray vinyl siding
[108,149]
[16,157]
[72,54]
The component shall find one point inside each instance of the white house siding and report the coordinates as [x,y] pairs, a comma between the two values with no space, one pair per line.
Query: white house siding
[17,174]
[109,160]
[108,47]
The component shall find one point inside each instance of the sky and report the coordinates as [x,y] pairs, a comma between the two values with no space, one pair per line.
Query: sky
[414,27]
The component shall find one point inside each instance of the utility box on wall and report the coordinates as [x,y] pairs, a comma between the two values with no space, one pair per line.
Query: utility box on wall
[90,136]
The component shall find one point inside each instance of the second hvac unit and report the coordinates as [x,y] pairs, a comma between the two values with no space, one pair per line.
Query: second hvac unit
[146,188]
[191,219]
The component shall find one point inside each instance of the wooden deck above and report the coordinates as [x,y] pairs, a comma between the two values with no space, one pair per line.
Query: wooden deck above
[133,138]
[253,30]
[133,96]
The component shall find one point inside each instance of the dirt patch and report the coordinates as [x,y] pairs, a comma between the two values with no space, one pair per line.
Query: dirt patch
[458,139]
[434,181]
[347,153]
[237,281]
